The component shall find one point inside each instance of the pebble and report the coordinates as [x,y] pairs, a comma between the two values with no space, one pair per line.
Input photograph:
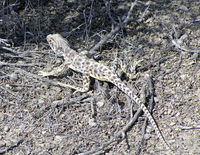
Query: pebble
[92,122]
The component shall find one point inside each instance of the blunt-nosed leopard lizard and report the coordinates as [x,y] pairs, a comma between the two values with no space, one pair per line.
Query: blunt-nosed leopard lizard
[94,69]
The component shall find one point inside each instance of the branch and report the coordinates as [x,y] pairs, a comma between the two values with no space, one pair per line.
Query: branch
[121,134]
[114,31]
[12,146]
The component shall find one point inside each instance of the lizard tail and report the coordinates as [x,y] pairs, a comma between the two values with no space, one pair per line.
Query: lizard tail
[129,92]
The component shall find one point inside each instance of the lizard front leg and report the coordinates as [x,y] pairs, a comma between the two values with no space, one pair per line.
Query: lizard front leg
[84,88]
[56,71]
[86,84]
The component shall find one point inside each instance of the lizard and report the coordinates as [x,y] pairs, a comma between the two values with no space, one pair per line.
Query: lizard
[88,68]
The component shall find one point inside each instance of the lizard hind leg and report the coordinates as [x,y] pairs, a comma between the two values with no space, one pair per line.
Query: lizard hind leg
[86,84]
[85,88]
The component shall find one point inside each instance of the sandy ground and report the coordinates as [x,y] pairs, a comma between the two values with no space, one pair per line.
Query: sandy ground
[38,117]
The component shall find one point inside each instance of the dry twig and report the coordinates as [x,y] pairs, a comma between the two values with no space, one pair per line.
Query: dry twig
[118,137]
[116,29]
[12,146]
[142,97]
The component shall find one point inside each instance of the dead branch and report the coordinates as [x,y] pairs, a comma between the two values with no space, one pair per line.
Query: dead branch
[184,48]
[118,137]
[117,28]
[12,146]
[68,101]
[189,127]
[5,101]
[53,82]
[142,97]
[20,65]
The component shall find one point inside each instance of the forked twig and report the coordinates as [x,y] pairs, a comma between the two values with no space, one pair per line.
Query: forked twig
[114,31]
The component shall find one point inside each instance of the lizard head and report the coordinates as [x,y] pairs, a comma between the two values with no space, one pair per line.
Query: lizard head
[58,44]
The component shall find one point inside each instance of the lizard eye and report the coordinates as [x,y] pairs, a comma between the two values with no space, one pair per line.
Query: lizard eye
[59,49]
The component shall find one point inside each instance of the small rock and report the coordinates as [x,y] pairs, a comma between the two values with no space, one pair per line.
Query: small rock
[41,101]
[147,136]
[100,103]
[14,77]
[172,123]
[58,138]
[184,8]
[6,128]
[57,89]
[156,99]
[92,122]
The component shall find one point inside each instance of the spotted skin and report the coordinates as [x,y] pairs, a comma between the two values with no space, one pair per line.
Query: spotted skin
[96,70]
